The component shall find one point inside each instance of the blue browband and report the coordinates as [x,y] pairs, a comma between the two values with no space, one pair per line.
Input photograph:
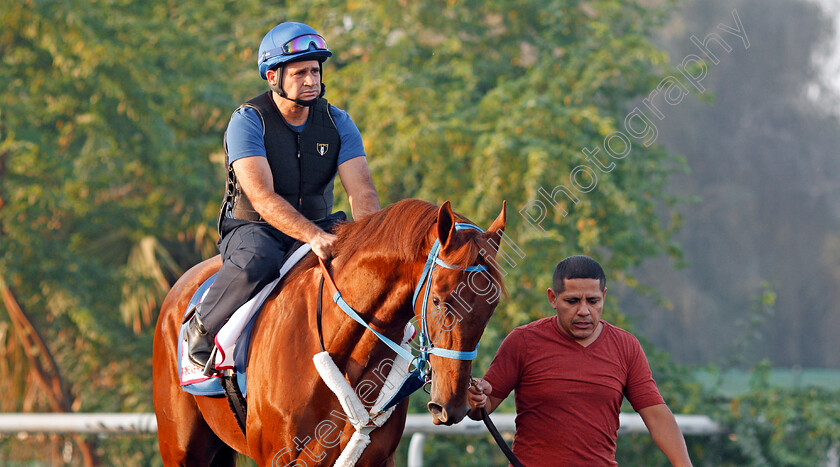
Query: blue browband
[426,348]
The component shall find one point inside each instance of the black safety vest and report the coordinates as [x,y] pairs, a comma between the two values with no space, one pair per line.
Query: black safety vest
[303,165]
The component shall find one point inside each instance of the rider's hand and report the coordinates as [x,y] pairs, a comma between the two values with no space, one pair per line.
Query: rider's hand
[322,244]
[478,393]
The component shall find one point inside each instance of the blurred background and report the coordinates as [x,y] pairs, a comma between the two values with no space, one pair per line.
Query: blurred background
[719,236]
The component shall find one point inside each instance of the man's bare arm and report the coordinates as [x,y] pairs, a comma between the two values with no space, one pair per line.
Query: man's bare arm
[666,434]
[355,176]
[254,176]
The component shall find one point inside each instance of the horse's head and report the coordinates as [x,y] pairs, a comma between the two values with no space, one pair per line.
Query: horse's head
[465,289]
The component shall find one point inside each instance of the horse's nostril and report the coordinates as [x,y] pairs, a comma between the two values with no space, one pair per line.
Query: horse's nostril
[437,410]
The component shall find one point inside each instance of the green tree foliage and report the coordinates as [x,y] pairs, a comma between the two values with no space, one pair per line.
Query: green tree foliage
[109,117]
[113,112]
[482,101]
[769,425]
[111,123]
[98,125]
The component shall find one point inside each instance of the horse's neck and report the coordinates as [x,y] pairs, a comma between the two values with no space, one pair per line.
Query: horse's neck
[381,294]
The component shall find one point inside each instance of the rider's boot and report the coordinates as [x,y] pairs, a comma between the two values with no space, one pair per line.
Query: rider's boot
[199,341]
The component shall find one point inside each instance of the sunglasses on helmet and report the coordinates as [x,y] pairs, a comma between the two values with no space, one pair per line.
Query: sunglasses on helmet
[297,45]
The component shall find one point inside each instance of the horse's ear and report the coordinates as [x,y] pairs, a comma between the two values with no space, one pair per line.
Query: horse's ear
[494,233]
[445,224]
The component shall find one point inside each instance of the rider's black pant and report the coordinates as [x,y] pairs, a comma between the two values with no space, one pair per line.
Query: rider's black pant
[252,254]
[251,257]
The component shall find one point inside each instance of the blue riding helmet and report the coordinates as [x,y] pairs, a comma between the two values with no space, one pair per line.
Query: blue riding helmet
[290,42]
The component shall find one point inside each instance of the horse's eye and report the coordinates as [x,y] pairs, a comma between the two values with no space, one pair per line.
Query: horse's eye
[435,301]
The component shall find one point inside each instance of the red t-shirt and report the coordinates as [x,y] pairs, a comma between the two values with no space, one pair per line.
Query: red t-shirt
[568,396]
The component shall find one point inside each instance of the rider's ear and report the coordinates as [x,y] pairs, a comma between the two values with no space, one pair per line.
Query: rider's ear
[445,224]
[494,233]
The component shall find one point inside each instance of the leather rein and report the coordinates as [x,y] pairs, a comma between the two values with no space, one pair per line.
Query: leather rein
[427,349]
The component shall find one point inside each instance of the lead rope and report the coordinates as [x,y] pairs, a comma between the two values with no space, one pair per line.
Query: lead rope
[485,417]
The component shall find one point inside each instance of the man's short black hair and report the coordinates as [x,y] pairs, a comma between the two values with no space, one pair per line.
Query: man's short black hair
[577,267]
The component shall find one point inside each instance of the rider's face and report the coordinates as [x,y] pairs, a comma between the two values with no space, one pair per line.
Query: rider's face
[302,80]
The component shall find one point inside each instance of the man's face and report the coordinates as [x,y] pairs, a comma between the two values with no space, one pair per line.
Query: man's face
[302,80]
[578,308]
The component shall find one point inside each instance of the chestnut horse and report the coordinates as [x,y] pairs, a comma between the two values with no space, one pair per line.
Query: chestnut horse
[293,418]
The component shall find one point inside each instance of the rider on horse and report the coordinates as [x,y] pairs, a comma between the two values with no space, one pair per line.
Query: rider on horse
[283,150]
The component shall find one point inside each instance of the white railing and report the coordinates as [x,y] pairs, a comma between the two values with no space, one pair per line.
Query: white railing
[100,423]
[418,426]
[132,423]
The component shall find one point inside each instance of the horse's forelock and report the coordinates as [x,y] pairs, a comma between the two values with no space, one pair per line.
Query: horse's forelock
[468,255]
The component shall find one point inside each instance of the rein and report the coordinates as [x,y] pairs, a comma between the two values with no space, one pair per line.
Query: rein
[422,371]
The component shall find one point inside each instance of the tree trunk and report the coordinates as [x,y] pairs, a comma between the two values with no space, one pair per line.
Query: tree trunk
[44,367]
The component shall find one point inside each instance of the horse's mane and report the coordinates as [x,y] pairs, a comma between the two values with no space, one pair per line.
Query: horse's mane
[393,231]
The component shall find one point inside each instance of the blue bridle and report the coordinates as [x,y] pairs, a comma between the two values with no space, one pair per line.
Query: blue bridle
[416,378]
[433,260]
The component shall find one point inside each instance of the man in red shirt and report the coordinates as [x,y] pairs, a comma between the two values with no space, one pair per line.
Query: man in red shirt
[570,373]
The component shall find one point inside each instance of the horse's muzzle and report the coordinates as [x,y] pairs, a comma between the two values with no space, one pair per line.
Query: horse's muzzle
[443,416]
